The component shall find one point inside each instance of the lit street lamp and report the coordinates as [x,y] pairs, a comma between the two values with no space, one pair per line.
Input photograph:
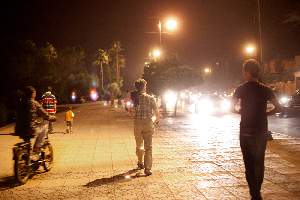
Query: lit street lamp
[155,54]
[207,70]
[169,25]
[250,50]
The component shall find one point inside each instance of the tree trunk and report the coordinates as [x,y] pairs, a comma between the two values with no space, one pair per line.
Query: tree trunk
[101,68]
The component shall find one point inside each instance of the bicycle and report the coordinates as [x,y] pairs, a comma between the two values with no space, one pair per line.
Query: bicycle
[24,167]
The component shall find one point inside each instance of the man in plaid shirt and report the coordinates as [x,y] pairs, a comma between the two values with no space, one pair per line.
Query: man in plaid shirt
[146,113]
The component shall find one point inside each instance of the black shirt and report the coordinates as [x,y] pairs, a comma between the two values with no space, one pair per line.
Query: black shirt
[254,97]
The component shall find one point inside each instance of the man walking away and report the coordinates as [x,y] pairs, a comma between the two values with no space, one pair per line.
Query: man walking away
[49,104]
[253,97]
[146,112]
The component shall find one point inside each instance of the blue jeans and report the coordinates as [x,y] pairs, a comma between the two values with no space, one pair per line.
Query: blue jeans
[253,147]
[40,132]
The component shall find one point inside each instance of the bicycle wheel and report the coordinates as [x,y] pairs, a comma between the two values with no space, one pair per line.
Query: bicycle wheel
[21,166]
[47,156]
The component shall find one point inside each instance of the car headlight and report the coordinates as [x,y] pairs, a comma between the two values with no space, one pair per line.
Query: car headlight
[206,105]
[284,100]
[225,105]
[170,97]
[128,104]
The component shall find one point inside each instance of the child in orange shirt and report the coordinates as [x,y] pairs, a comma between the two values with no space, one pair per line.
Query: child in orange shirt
[69,116]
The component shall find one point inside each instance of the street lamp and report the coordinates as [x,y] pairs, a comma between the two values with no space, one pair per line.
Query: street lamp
[168,25]
[171,24]
[155,54]
[207,70]
[250,50]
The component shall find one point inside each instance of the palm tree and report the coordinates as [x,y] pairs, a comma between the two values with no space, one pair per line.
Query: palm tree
[102,58]
[117,58]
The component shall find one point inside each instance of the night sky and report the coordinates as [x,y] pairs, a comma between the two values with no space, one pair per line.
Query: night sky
[210,30]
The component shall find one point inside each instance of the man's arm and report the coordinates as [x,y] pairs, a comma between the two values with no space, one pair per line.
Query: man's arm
[41,112]
[277,107]
[156,111]
[235,101]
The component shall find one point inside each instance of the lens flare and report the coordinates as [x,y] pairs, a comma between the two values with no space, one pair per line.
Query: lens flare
[73,96]
[94,95]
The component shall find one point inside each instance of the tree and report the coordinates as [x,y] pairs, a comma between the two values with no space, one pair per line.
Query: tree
[102,58]
[171,74]
[116,60]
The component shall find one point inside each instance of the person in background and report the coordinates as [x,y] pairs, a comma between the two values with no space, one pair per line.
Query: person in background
[146,113]
[69,117]
[49,102]
[253,97]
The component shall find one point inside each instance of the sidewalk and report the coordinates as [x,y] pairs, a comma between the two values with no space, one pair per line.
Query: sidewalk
[192,160]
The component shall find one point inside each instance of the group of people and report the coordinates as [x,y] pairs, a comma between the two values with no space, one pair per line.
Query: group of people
[252,96]
[29,112]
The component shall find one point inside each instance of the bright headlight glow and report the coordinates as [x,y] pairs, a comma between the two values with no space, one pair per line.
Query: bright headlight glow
[73,96]
[284,100]
[205,106]
[183,95]
[128,104]
[94,95]
[194,98]
[170,97]
[225,105]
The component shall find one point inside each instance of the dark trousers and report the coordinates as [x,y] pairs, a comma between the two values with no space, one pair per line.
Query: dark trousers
[253,149]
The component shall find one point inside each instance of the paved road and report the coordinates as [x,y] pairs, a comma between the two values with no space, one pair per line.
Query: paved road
[289,126]
[195,157]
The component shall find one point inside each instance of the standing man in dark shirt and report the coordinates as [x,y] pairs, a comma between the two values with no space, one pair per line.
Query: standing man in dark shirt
[253,97]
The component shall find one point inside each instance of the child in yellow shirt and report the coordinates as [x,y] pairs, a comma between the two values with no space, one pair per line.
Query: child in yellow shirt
[69,116]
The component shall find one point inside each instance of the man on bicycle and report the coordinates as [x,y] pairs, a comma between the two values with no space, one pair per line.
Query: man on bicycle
[28,114]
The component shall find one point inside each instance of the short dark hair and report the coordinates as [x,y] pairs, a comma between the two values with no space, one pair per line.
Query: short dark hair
[140,84]
[252,66]
[28,91]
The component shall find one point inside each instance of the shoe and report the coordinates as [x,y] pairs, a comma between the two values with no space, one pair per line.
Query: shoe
[140,166]
[35,157]
[148,172]
[269,136]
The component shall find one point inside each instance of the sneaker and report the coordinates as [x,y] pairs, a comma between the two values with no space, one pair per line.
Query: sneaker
[148,172]
[35,157]
[140,166]
[269,136]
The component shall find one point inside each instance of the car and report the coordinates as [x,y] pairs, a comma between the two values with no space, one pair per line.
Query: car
[290,104]
[212,104]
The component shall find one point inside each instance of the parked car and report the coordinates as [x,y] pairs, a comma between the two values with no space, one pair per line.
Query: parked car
[290,104]
[212,104]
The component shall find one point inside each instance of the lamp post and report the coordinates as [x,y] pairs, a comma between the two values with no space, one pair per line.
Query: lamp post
[260,30]
[250,50]
[155,54]
[169,25]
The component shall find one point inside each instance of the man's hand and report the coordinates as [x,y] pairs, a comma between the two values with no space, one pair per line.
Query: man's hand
[234,103]
[52,118]
[277,107]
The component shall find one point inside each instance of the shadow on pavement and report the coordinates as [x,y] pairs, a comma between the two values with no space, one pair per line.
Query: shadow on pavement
[13,134]
[124,177]
[7,183]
